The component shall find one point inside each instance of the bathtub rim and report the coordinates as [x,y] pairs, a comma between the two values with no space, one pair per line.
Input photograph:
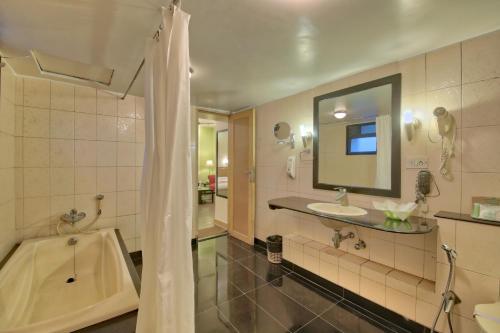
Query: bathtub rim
[134,276]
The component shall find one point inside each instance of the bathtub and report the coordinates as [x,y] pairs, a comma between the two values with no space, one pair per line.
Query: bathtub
[39,292]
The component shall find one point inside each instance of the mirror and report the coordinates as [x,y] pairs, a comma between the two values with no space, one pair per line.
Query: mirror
[282,131]
[222,164]
[357,138]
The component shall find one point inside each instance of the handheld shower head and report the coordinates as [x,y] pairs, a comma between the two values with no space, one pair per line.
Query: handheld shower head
[450,253]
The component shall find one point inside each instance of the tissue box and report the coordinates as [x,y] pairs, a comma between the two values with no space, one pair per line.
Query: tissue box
[486,208]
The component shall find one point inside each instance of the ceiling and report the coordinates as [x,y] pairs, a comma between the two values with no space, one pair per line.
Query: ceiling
[244,52]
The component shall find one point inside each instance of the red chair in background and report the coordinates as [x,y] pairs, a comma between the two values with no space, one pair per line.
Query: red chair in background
[211,182]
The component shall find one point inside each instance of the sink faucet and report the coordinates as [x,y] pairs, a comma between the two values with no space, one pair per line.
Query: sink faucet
[341,196]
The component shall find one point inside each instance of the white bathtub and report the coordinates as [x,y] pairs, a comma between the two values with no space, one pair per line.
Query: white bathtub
[35,295]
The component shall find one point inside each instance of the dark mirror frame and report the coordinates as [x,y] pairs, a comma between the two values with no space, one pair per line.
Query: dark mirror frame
[217,162]
[395,191]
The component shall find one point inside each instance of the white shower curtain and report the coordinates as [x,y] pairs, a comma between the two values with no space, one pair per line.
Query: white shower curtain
[384,143]
[167,288]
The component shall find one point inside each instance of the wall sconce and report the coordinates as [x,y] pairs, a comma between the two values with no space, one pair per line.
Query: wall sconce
[411,124]
[305,134]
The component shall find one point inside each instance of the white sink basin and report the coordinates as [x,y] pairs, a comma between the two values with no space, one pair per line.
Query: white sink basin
[336,209]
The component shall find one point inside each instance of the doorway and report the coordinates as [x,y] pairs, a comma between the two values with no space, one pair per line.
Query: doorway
[212,179]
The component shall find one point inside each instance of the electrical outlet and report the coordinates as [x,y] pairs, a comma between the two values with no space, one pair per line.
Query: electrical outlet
[417,163]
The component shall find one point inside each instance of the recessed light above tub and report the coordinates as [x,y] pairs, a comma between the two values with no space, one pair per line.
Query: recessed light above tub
[69,69]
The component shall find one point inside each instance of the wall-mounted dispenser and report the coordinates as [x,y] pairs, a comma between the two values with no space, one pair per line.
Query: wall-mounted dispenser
[291,166]
[411,124]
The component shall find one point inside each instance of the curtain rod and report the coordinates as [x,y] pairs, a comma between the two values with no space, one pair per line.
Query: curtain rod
[155,36]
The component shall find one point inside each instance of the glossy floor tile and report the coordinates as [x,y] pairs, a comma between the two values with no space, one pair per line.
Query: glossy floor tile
[238,290]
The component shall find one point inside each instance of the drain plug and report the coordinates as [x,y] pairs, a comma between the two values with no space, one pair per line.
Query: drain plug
[70,280]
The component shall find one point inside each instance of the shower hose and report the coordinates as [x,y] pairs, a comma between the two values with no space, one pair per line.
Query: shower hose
[451,260]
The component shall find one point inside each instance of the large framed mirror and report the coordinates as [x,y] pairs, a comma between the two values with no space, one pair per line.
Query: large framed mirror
[357,143]
[222,163]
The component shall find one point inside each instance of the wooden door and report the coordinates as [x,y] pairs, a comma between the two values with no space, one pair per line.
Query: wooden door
[242,175]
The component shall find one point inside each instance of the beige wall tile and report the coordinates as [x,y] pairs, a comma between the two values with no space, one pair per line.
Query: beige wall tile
[474,288]
[62,181]
[410,260]
[403,282]
[106,153]
[36,152]
[446,235]
[62,153]
[85,180]
[85,153]
[107,128]
[36,212]
[62,96]
[480,103]
[125,178]
[329,271]
[375,272]
[426,291]
[60,205]
[413,72]
[139,154]
[311,263]
[62,124]
[85,99]
[126,224]
[476,149]
[140,133]
[478,184]
[430,266]
[443,67]
[106,179]
[382,251]
[108,205]
[126,154]
[85,126]
[481,57]
[7,177]
[351,262]
[125,204]
[372,290]
[401,303]
[139,108]
[36,182]
[36,123]
[126,129]
[425,314]
[468,236]
[107,104]
[126,107]
[36,93]
[349,280]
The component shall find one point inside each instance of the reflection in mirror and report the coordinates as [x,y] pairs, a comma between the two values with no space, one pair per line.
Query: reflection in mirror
[222,163]
[357,138]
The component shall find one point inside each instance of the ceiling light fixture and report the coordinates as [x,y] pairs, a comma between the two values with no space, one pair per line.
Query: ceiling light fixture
[340,114]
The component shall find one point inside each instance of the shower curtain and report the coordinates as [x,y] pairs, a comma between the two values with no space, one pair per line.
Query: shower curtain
[167,288]
[384,142]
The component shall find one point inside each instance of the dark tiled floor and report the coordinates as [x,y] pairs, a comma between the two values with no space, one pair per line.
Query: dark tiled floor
[238,290]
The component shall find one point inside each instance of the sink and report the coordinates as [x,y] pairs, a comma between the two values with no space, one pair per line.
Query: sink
[336,209]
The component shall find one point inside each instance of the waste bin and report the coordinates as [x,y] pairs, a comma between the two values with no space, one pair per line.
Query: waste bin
[274,248]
